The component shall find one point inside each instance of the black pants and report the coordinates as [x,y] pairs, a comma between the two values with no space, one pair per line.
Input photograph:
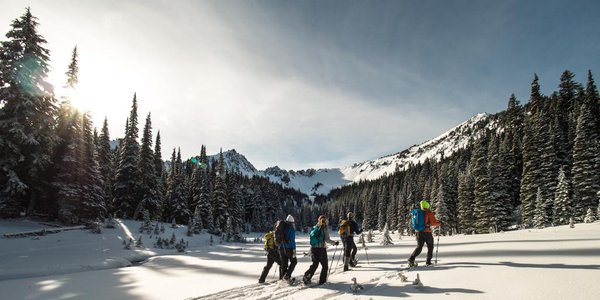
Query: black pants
[319,256]
[272,257]
[287,257]
[350,247]
[423,238]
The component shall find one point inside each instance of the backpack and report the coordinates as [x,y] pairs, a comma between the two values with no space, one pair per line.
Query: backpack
[344,228]
[269,241]
[316,236]
[281,233]
[418,219]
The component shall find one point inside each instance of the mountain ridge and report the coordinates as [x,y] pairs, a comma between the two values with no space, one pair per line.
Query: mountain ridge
[322,181]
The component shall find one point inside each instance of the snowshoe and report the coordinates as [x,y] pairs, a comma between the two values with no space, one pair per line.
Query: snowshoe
[412,264]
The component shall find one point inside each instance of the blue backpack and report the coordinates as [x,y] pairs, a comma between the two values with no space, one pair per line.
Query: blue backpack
[418,219]
[316,236]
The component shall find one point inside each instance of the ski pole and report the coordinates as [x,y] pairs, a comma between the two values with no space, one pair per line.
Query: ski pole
[366,253]
[438,244]
[332,259]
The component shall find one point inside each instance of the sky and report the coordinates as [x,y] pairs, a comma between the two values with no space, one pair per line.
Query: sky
[309,84]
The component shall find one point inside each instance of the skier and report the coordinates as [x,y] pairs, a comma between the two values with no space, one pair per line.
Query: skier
[319,235]
[285,237]
[347,230]
[424,236]
[272,255]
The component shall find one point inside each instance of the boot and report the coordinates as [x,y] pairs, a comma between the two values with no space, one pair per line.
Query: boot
[346,262]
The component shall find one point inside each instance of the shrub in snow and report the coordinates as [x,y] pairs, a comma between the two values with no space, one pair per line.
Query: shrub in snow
[173,239]
[110,223]
[95,227]
[211,241]
[571,223]
[386,240]
[402,277]
[173,223]
[180,246]
[127,244]
[139,243]
[156,229]
[162,228]
[361,238]
[589,216]
[370,236]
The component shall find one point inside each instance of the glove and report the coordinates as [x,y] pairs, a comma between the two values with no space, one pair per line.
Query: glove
[336,243]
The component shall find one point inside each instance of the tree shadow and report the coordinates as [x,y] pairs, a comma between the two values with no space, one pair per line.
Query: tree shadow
[515,241]
[385,290]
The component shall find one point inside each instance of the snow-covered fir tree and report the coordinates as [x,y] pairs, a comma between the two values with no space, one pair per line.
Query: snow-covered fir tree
[150,200]
[219,196]
[370,236]
[386,239]
[590,216]
[562,200]
[27,119]
[105,166]
[466,220]
[127,183]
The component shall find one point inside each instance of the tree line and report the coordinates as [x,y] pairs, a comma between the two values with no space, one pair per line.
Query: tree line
[56,165]
[531,165]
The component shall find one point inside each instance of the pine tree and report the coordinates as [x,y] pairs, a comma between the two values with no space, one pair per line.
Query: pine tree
[562,200]
[176,191]
[27,118]
[219,196]
[466,195]
[386,239]
[590,217]
[383,198]
[93,206]
[73,70]
[586,176]
[480,173]
[127,184]
[105,166]
[147,165]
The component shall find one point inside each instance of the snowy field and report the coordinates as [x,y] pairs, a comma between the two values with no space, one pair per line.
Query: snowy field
[551,263]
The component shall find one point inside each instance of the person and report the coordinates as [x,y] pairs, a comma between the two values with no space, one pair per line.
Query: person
[318,251]
[287,248]
[272,255]
[425,236]
[348,228]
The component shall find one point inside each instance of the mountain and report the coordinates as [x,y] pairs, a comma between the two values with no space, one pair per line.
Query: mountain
[321,181]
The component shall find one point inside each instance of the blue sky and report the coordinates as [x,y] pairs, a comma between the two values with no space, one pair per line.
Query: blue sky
[304,84]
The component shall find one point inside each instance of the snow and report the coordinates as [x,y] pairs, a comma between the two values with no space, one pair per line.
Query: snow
[445,144]
[550,263]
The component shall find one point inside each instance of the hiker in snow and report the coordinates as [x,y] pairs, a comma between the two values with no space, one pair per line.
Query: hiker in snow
[272,255]
[422,221]
[285,237]
[347,230]
[319,235]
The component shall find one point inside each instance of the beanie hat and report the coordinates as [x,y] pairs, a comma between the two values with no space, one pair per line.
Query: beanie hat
[424,204]
[289,219]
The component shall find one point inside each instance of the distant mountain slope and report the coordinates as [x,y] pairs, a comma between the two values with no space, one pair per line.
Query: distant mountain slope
[322,181]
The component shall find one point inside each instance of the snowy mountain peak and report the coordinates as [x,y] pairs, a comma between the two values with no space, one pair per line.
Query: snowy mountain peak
[312,182]
[236,162]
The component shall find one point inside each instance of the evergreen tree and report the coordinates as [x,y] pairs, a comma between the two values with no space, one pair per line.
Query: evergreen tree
[149,182]
[93,206]
[219,196]
[590,217]
[382,203]
[480,173]
[127,184]
[531,156]
[105,165]
[562,200]
[73,70]
[586,176]
[27,118]
[386,239]
[466,194]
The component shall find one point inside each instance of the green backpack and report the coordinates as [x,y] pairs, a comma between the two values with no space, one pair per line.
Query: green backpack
[316,236]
